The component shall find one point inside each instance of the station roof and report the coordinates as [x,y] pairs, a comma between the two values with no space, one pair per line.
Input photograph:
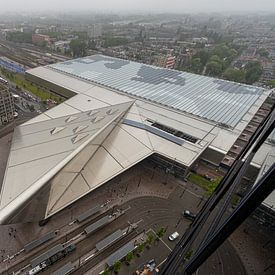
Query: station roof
[120,253]
[214,99]
[100,132]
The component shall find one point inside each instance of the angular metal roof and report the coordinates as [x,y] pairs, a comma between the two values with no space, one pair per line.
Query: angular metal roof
[214,99]
[40,150]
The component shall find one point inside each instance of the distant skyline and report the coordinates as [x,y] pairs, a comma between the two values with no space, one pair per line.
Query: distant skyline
[149,6]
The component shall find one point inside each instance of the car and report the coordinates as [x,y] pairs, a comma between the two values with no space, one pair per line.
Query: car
[173,236]
[189,215]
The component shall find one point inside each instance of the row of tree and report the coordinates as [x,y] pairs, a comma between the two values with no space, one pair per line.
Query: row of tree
[213,62]
[249,74]
[151,238]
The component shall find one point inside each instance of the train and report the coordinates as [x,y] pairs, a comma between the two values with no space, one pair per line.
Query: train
[51,260]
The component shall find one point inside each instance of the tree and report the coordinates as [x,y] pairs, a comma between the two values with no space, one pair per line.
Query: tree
[214,68]
[78,47]
[196,65]
[234,75]
[19,37]
[106,272]
[272,83]
[263,52]
[253,72]
[114,41]
[161,232]
[117,266]
[150,239]
[140,248]
[129,257]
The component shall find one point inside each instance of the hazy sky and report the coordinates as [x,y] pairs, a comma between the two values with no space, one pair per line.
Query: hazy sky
[179,6]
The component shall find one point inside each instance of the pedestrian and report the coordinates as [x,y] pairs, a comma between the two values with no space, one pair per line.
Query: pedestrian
[9,233]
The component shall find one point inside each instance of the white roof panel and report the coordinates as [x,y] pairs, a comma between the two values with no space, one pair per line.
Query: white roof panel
[214,99]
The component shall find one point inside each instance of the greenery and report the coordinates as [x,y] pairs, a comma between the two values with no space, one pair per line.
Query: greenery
[188,255]
[106,272]
[272,83]
[140,248]
[150,238]
[207,185]
[161,232]
[215,62]
[21,82]
[78,47]
[253,71]
[263,52]
[114,41]
[129,257]
[20,37]
[117,266]
[234,75]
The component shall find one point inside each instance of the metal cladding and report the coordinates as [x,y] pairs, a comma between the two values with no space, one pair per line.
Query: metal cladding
[97,225]
[65,269]
[214,99]
[41,258]
[119,254]
[88,213]
[32,245]
[109,240]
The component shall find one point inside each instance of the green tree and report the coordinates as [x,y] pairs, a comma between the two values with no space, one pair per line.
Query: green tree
[272,83]
[253,72]
[19,37]
[196,65]
[263,52]
[150,239]
[234,75]
[114,41]
[117,266]
[203,56]
[106,272]
[213,68]
[78,47]
[161,232]
[129,257]
[215,58]
[140,248]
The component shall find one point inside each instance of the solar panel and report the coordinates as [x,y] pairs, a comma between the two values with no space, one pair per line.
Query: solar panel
[214,99]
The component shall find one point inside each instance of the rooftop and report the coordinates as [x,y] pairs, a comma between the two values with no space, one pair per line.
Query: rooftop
[214,99]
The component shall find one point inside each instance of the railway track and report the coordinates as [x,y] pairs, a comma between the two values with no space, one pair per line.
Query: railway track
[63,238]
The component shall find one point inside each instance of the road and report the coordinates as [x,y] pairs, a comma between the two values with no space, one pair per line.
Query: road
[155,205]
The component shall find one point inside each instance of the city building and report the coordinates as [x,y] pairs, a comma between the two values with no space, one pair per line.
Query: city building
[95,31]
[118,113]
[40,39]
[6,105]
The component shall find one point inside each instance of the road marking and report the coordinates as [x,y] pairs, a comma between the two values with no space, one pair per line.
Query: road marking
[162,262]
[161,239]
[194,194]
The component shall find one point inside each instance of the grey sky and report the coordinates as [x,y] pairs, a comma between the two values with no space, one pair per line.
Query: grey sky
[179,6]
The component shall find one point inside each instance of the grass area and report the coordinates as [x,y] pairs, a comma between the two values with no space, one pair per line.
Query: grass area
[207,185]
[22,83]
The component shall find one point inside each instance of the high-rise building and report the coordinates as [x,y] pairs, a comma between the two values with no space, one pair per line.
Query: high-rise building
[6,105]
[95,31]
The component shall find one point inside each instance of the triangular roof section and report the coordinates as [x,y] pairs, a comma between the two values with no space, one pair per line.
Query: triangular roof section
[44,148]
